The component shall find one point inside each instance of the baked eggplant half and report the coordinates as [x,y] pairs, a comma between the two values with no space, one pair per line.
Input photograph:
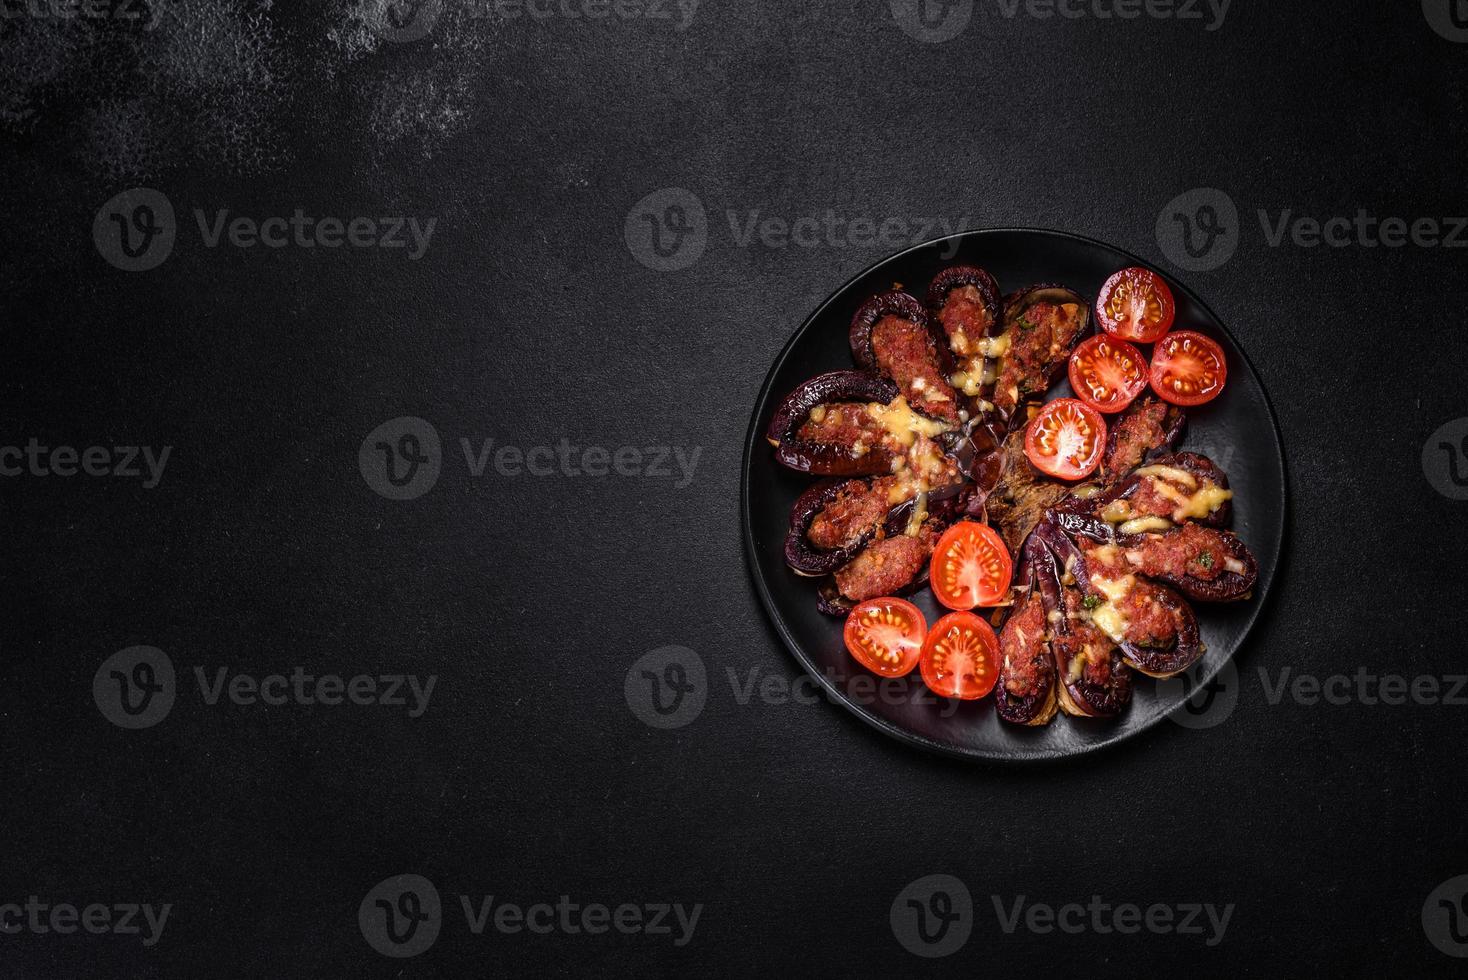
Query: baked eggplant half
[1204,563]
[1154,627]
[826,426]
[1042,325]
[1094,681]
[832,521]
[1147,427]
[1025,692]
[1168,490]
[891,335]
[896,561]
[965,306]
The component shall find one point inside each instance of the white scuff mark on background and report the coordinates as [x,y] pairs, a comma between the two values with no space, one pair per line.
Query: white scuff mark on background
[221,83]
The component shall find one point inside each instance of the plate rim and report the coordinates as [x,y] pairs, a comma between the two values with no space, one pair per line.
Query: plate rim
[754,438]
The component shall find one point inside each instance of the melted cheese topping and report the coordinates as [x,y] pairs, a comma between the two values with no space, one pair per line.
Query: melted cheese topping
[902,423]
[966,382]
[1202,503]
[1144,524]
[995,346]
[1107,616]
[919,514]
[1170,473]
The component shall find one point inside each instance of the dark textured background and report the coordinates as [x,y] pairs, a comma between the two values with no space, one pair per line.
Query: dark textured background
[529,320]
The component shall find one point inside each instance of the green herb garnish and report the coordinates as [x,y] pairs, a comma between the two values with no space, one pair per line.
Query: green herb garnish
[1206,559]
[1024,323]
[1091,601]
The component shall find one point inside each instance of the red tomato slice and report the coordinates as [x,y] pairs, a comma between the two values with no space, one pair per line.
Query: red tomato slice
[971,567]
[1066,439]
[1136,304]
[961,657]
[1188,368]
[1107,373]
[886,636]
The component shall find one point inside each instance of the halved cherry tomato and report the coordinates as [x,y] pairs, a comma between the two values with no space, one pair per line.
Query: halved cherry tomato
[961,657]
[1066,439]
[886,636]
[1135,304]
[1107,373]
[1188,368]
[971,567]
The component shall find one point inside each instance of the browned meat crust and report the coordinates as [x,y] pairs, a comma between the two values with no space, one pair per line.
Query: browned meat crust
[906,353]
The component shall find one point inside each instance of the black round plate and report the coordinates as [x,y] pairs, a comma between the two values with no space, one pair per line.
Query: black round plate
[1238,431]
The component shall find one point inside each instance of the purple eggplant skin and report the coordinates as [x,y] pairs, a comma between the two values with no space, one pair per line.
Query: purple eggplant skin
[1227,587]
[955,276]
[827,459]
[1174,422]
[1187,644]
[945,507]
[800,554]
[1081,696]
[1089,699]
[974,449]
[1039,706]
[1015,304]
[1203,469]
[895,303]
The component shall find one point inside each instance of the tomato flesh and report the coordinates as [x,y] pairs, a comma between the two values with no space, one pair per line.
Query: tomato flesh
[961,657]
[1107,373]
[1136,304]
[970,567]
[1188,368]
[1066,439]
[886,636]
